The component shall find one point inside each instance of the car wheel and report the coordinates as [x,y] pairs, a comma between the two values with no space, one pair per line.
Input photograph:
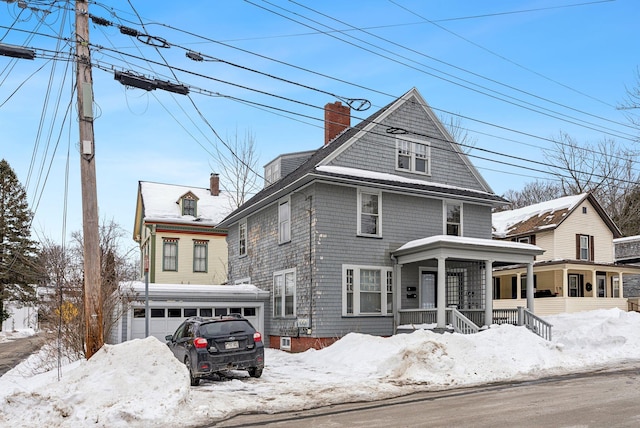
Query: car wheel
[255,372]
[195,381]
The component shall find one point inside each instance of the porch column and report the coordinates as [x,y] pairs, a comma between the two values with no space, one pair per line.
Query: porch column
[594,284]
[620,286]
[488,292]
[397,293]
[530,286]
[441,315]
[565,282]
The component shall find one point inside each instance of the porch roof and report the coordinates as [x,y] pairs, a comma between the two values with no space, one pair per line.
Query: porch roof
[459,247]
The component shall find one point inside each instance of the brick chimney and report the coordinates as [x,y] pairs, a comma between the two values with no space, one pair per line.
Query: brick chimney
[337,118]
[214,184]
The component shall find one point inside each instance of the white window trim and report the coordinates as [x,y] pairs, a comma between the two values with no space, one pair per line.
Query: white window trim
[444,216]
[356,290]
[246,237]
[284,273]
[587,248]
[412,154]
[286,201]
[359,212]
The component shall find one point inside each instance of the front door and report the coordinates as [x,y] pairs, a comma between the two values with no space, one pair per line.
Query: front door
[428,289]
[601,280]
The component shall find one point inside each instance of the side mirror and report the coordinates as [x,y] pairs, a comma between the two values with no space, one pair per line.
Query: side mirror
[168,337]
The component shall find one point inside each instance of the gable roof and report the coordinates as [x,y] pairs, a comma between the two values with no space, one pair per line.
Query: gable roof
[544,216]
[161,203]
[315,168]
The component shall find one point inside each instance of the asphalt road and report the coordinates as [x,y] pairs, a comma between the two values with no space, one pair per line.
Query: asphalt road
[14,351]
[601,399]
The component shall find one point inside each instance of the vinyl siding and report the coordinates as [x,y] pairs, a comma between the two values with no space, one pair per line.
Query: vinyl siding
[584,224]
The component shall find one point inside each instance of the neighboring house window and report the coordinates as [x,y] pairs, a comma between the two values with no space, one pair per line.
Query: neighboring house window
[367,290]
[524,240]
[584,247]
[413,156]
[615,284]
[284,293]
[369,213]
[246,280]
[188,206]
[453,212]
[284,222]
[272,173]
[199,256]
[242,238]
[170,254]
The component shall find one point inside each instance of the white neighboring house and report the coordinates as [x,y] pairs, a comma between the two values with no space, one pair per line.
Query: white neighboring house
[184,256]
[22,317]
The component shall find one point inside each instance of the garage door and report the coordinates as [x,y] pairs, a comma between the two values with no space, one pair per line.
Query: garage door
[165,320]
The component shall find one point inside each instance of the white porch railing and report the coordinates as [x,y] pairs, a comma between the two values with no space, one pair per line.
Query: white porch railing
[534,323]
[462,324]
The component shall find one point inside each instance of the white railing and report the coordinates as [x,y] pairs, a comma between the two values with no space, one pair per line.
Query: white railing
[462,324]
[534,323]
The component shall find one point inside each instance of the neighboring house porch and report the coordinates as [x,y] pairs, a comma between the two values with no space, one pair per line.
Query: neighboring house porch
[443,271]
[563,286]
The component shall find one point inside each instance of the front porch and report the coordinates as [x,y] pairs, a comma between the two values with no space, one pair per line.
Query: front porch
[433,275]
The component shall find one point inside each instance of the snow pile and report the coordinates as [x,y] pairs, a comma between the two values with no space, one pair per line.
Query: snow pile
[110,389]
[140,383]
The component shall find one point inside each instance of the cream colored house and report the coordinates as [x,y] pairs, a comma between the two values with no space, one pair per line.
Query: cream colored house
[177,230]
[577,271]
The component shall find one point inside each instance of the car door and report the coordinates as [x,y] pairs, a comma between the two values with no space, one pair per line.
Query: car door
[176,343]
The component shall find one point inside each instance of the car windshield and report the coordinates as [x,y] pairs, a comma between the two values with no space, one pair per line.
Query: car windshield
[225,327]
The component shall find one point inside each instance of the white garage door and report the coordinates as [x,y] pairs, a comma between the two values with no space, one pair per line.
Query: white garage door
[164,320]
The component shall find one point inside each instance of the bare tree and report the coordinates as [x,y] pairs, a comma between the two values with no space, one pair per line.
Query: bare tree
[460,135]
[631,104]
[238,170]
[532,193]
[62,303]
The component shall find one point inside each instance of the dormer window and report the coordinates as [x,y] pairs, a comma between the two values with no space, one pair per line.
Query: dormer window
[413,156]
[272,172]
[188,204]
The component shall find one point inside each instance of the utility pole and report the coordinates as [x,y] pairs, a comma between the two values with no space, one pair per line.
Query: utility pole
[92,277]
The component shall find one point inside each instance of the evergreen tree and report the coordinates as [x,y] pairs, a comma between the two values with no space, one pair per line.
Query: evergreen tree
[18,270]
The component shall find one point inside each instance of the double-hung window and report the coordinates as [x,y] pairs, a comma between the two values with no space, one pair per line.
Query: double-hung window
[367,290]
[170,254]
[413,156]
[369,213]
[284,293]
[188,206]
[242,238]
[584,247]
[199,256]
[453,216]
[284,221]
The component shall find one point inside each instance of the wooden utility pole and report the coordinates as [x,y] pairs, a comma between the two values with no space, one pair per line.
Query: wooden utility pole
[91,239]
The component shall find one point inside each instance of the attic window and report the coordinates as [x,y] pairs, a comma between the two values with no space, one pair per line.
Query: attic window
[584,210]
[413,156]
[188,206]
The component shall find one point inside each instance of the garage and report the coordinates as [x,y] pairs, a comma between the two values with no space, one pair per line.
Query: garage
[170,304]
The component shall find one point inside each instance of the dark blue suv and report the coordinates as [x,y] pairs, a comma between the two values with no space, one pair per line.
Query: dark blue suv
[210,346]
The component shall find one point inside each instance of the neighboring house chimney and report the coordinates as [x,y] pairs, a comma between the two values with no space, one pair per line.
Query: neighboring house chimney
[337,118]
[214,184]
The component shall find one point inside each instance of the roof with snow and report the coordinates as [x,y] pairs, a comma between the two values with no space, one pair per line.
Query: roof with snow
[544,216]
[161,203]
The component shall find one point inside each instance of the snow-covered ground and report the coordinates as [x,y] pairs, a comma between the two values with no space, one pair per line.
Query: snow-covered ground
[140,384]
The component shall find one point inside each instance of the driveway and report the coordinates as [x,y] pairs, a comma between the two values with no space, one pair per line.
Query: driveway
[14,351]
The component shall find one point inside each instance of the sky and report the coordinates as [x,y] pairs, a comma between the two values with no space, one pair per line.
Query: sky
[514,73]
[140,383]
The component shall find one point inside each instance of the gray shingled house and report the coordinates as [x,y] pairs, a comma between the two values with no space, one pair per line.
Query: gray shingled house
[386,223]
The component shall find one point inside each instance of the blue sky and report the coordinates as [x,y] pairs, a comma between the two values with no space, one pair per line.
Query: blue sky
[477,59]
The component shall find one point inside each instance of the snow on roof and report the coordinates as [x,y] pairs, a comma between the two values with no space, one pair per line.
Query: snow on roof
[161,203]
[627,239]
[373,175]
[504,221]
[138,287]
[468,241]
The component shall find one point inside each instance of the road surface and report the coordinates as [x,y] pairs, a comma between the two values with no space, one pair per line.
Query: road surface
[14,351]
[600,399]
